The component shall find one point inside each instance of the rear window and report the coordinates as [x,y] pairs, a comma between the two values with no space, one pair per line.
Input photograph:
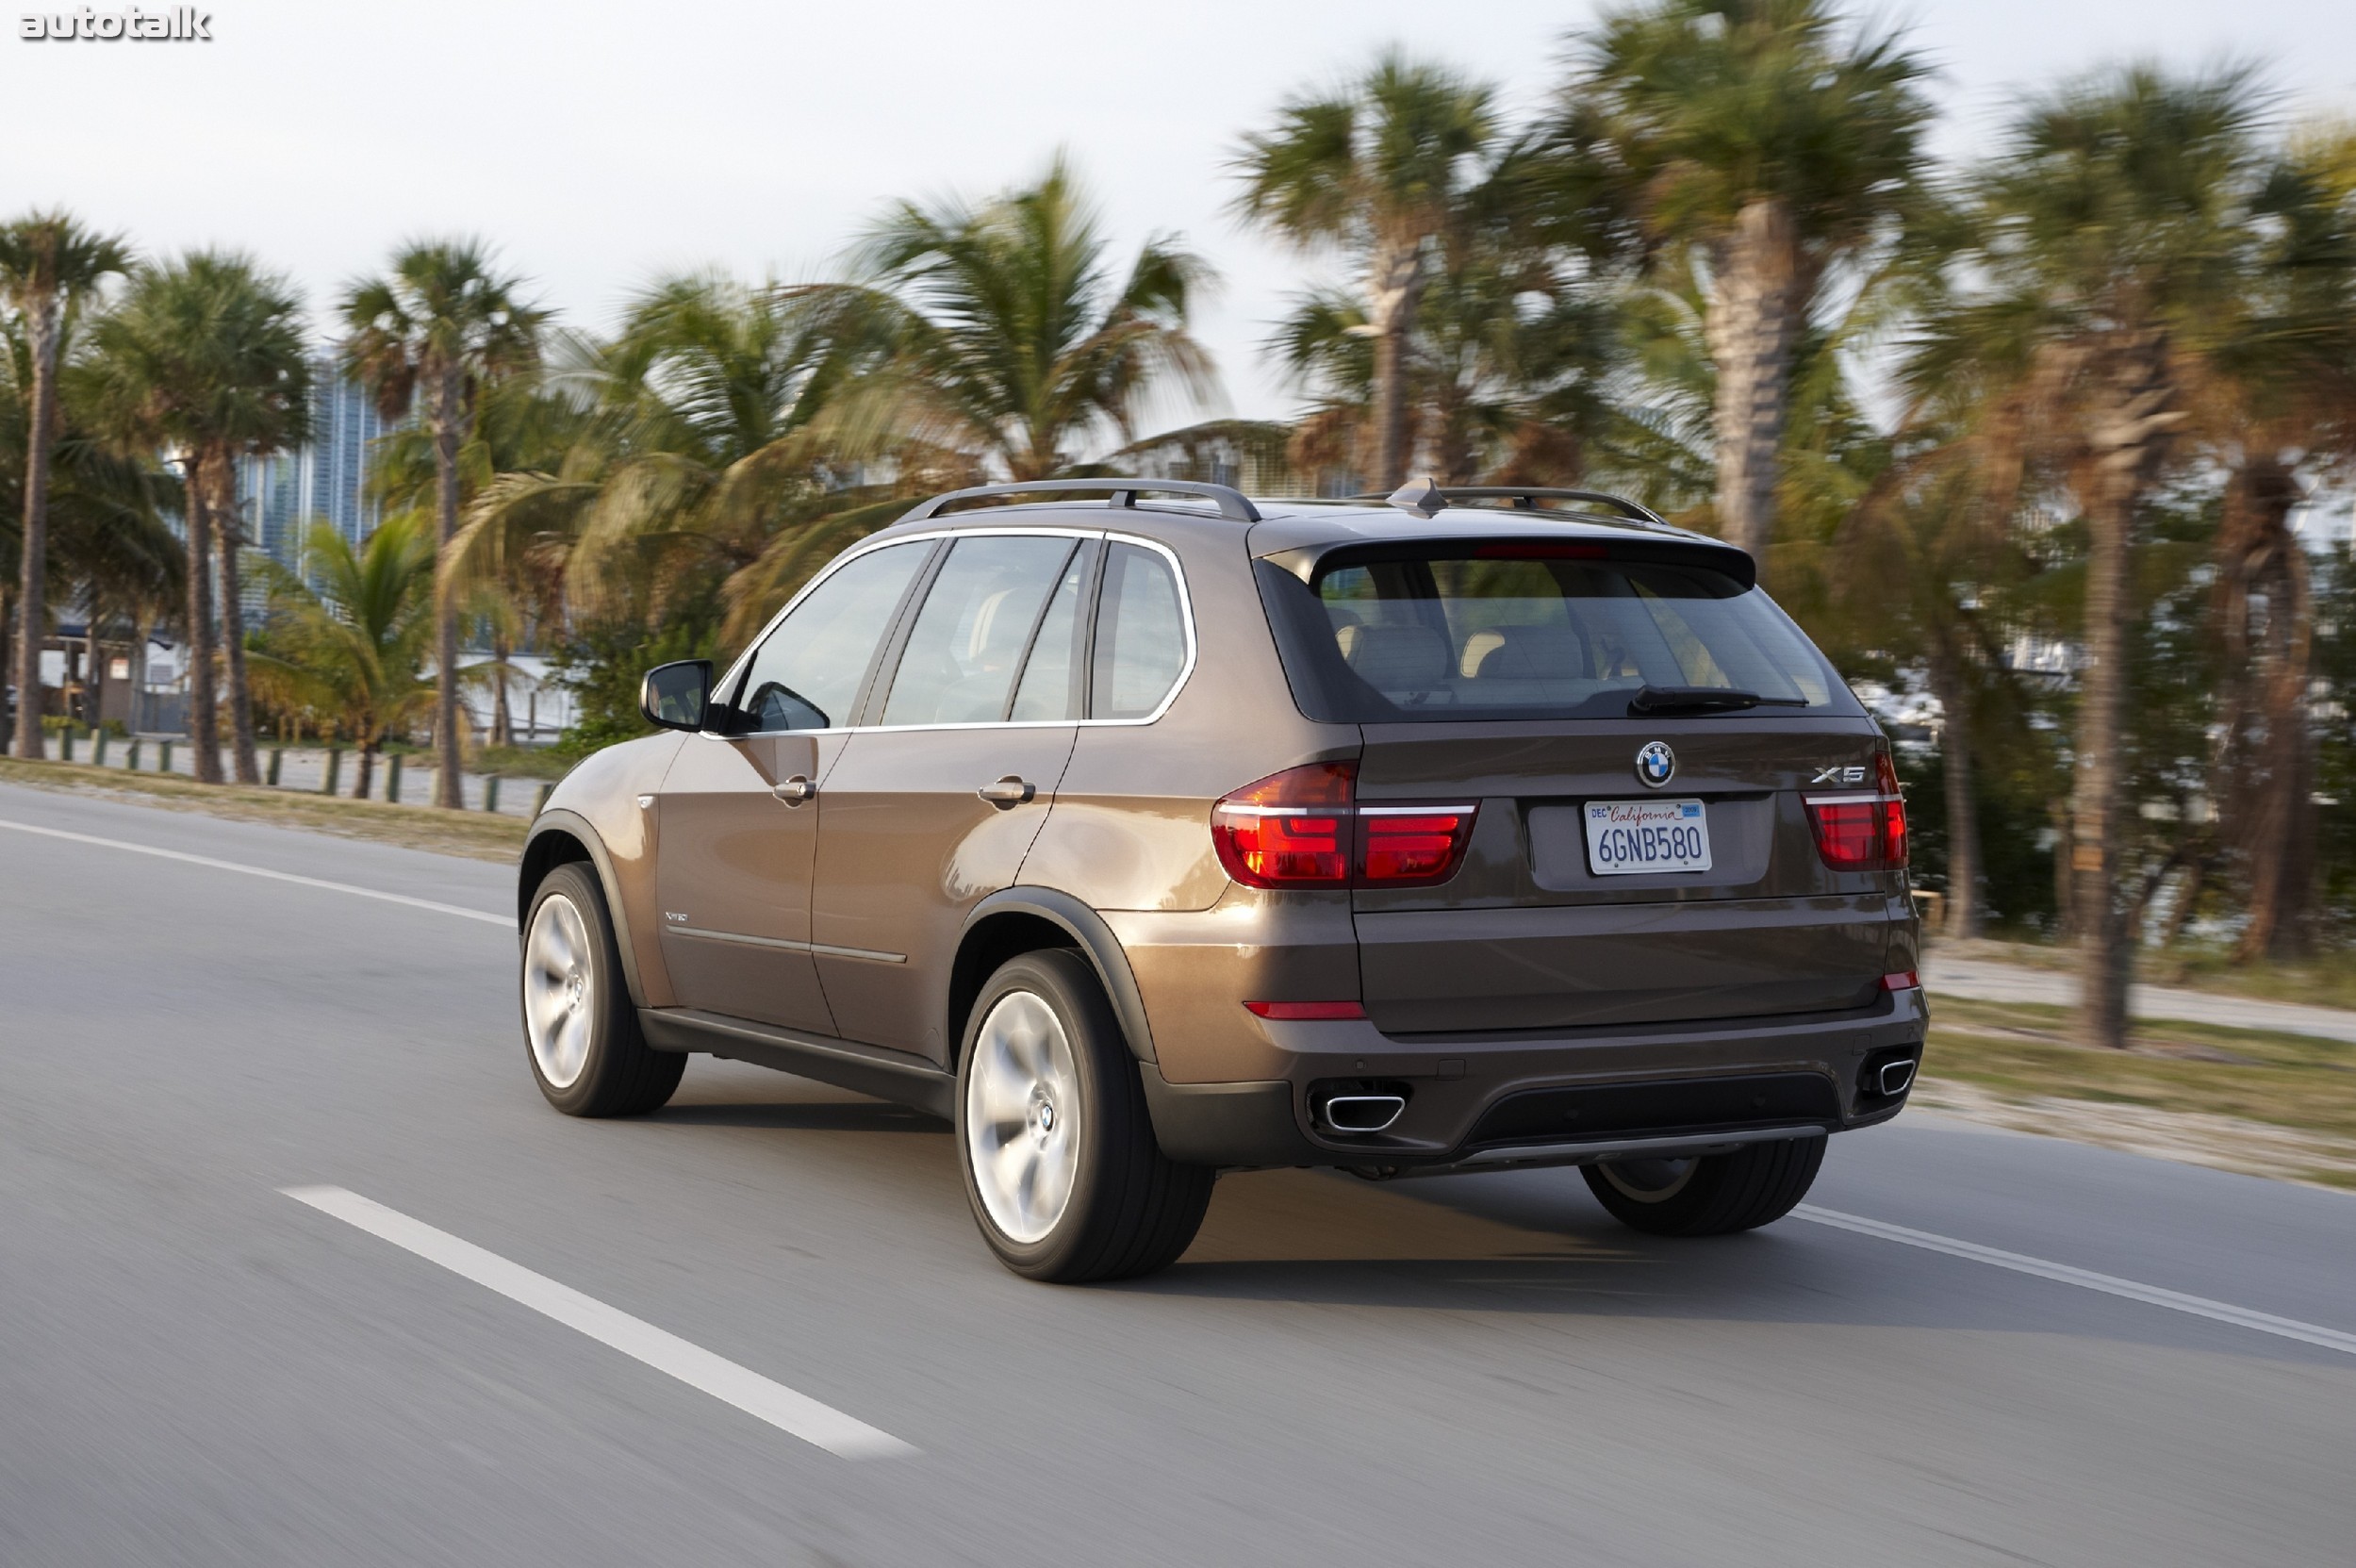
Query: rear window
[1490,634]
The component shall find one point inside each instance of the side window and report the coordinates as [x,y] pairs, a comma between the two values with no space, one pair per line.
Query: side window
[978,618]
[1141,635]
[1048,693]
[806,673]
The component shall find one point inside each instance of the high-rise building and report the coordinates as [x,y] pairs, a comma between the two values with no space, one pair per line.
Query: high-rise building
[283,494]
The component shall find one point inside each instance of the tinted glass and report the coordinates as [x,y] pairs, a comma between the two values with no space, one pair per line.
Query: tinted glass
[1477,637]
[978,617]
[1141,635]
[806,673]
[1047,691]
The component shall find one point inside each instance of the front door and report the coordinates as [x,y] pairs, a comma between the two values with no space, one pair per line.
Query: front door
[935,804]
[737,820]
[738,846]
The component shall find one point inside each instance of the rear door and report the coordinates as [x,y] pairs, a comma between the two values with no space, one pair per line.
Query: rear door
[936,799]
[1504,674]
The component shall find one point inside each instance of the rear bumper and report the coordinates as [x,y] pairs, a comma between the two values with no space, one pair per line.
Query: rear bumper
[1569,1098]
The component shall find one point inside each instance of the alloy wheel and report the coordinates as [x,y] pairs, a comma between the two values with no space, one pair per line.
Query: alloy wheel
[559,990]
[1022,1116]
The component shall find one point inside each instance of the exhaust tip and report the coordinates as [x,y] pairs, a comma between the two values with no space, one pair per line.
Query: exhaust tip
[1895,1076]
[1363,1113]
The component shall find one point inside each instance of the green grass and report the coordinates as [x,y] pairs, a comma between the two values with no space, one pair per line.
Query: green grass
[479,835]
[2019,1057]
[2328,980]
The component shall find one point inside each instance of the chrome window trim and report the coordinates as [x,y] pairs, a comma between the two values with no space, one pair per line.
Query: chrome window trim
[1186,620]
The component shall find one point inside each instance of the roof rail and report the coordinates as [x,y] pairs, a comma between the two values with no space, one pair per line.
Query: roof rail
[1426,496]
[1122,492]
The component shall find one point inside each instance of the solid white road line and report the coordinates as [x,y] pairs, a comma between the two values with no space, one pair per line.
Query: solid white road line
[756,1395]
[507,920]
[2109,1285]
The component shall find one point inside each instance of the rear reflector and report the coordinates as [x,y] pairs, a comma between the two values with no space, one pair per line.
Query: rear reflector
[1302,827]
[1904,980]
[1307,1009]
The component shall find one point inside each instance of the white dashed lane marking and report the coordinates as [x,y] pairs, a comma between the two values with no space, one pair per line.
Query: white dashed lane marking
[773,1402]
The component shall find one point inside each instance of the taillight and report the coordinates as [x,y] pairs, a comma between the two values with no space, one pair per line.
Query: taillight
[1862,833]
[1411,846]
[1302,827]
[1290,829]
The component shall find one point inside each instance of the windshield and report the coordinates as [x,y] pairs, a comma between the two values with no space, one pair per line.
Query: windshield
[1520,631]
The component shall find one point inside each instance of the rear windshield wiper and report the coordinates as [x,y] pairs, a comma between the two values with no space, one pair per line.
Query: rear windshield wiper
[1650,700]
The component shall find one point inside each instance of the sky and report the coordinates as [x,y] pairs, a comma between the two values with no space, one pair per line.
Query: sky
[599,144]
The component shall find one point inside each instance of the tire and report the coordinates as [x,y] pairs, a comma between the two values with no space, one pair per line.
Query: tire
[1712,1196]
[1049,1096]
[581,1032]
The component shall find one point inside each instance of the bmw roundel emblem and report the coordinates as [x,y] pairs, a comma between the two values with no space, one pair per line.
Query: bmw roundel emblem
[1657,764]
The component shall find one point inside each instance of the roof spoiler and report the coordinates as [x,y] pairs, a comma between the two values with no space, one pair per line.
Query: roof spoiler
[1118,493]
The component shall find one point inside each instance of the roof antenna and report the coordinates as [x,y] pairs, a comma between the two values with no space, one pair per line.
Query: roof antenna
[1423,497]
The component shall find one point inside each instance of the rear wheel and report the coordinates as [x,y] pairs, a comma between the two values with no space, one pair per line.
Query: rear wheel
[1710,1194]
[580,1031]
[1058,1150]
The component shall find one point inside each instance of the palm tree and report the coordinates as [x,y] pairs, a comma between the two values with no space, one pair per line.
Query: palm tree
[48,264]
[1506,366]
[685,470]
[2105,265]
[432,332]
[2281,402]
[206,354]
[1754,137]
[1015,339]
[355,646]
[109,544]
[1383,169]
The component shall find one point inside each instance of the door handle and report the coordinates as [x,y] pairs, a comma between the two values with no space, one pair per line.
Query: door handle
[1009,792]
[794,791]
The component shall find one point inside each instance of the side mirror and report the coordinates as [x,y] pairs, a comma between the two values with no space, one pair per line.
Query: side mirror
[675,695]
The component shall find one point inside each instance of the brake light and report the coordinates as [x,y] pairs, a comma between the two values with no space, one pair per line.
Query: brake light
[1290,829]
[1902,979]
[1302,827]
[1862,833]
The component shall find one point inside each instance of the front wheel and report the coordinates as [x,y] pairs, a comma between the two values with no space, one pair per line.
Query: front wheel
[1710,1194]
[1057,1147]
[580,1031]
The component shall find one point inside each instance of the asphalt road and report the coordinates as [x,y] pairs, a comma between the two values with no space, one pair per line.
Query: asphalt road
[197,1368]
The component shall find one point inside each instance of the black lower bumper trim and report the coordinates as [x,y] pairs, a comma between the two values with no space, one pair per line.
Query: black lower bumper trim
[1658,1108]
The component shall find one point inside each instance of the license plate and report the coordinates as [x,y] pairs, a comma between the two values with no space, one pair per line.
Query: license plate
[1628,838]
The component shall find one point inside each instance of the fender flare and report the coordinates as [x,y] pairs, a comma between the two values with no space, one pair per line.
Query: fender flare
[575,826]
[1092,937]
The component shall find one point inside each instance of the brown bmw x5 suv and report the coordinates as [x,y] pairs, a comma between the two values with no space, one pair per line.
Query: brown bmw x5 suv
[1149,838]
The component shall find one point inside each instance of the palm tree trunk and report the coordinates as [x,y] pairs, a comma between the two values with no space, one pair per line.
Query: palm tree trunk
[448,790]
[503,720]
[2125,443]
[2264,784]
[94,698]
[1396,286]
[1963,807]
[231,539]
[42,325]
[368,768]
[8,664]
[204,721]
[1756,309]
